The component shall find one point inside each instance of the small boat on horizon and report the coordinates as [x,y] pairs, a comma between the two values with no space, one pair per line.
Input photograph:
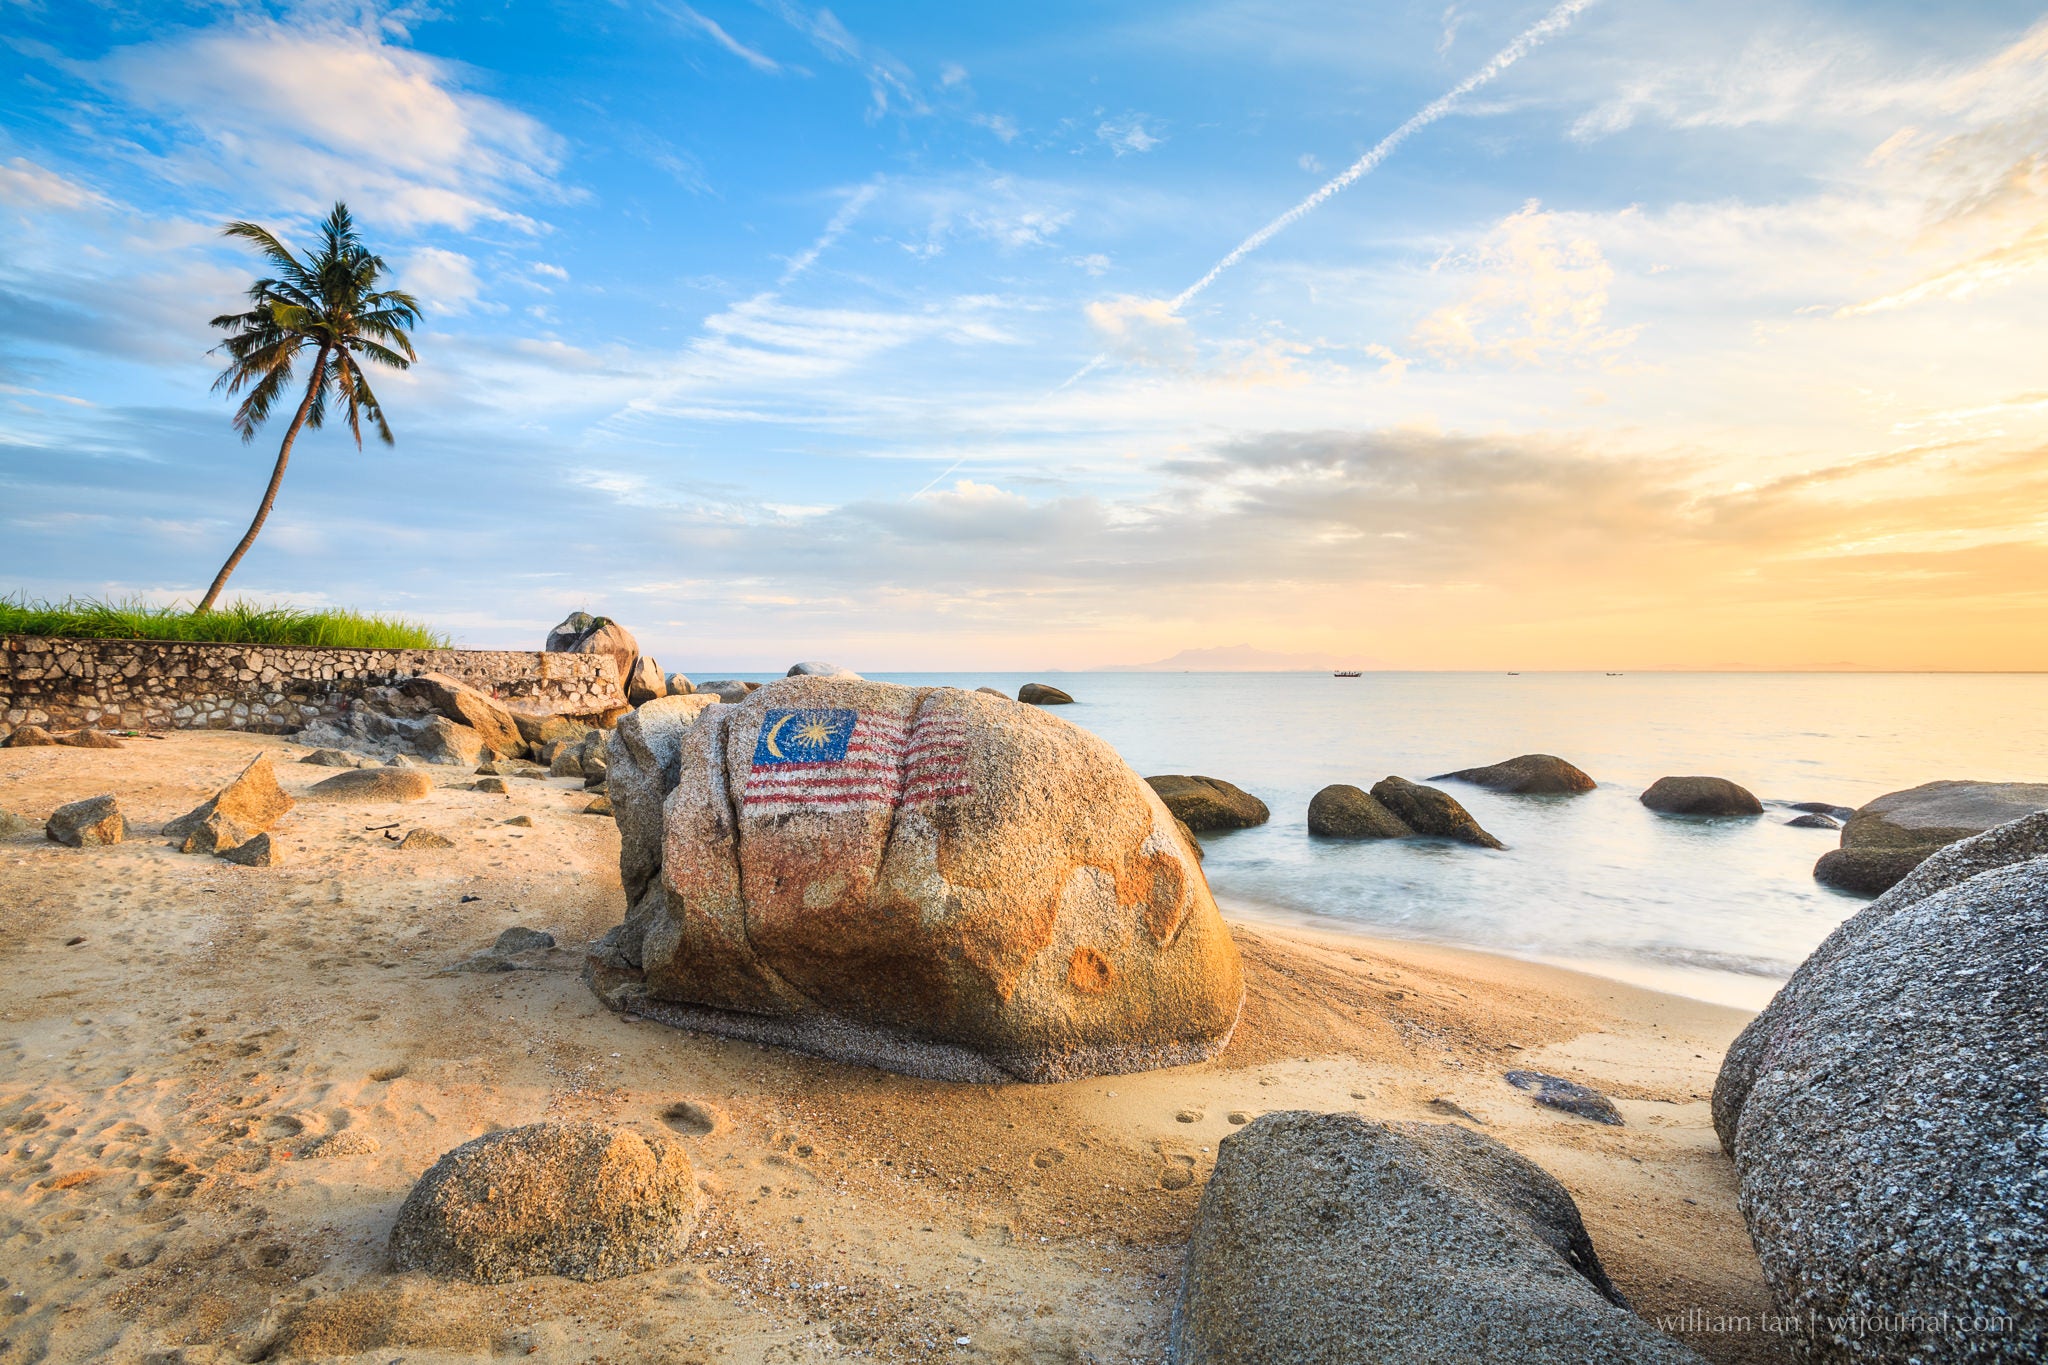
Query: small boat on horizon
[1348,673]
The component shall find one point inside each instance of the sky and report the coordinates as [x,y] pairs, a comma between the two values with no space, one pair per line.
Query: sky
[1616,334]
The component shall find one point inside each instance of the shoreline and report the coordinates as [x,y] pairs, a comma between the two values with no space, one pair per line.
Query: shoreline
[221,1082]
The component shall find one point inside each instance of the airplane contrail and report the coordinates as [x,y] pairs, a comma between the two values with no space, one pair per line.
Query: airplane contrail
[1552,23]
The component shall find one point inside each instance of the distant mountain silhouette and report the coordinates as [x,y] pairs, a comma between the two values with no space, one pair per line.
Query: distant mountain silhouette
[1232,659]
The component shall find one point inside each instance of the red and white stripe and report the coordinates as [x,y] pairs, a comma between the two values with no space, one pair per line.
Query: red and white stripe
[885,764]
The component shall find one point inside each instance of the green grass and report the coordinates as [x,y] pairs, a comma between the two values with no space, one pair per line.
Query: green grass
[239,623]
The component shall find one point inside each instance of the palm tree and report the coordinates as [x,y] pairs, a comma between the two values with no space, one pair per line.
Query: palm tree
[327,302]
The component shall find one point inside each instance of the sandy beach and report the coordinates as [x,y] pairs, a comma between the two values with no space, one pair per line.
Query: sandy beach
[219,1082]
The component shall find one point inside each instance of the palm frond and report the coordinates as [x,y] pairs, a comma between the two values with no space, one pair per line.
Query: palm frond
[280,255]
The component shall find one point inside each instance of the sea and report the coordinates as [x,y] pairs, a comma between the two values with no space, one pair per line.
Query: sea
[1718,909]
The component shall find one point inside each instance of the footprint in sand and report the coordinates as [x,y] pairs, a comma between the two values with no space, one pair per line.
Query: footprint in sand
[1188,1116]
[690,1118]
[1048,1157]
[1240,1117]
[1179,1172]
[389,1073]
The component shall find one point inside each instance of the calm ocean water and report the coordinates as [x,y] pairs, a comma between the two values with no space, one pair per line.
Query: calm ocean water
[1719,909]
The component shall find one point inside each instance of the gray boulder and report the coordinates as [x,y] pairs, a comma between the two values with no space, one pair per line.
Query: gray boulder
[1555,1092]
[1039,694]
[729,690]
[90,823]
[813,668]
[368,786]
[1344,812]
[494,722]
[441,740]
[1325,1239]
[1529,775]
[574,627]
[582,633]
[330,758]
[1812,820]
[1426,810]
[641,765]
[1887,838]
[679,685]
[583,1200]
[1884,1114]
[1822,808]
[1209,803]
[1700,796]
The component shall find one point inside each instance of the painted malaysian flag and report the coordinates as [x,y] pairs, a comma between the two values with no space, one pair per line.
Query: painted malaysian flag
[825,758]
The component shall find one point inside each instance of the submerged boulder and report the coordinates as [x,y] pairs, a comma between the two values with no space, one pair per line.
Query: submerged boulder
[1529,775]
[923,879]
[816,668]
[583,1200]
[1328,1238]
[1426,810]
[1040,694]
[1889,837]
[1700,796]
[1205,804]
[1340,811]
[235,814]
[1884,1114]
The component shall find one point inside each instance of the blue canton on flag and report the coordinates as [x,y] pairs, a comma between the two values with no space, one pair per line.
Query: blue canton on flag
[808,735]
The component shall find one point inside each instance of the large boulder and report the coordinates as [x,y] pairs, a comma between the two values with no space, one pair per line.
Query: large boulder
[922,879]
[583,633]
[90,823]
[370,786]
[235,814]
[679,685]
[1884,1114]
[1700,796]
[814,668]
[441,740]
[1529,775]
[645,682]
[1887,838]
[583,1200]
[1209,803]
[492,720]
[1041,694]
[1344,812]
[1431,812]
[1325,1239]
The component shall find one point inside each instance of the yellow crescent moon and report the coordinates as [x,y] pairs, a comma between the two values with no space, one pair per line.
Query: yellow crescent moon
[776,729]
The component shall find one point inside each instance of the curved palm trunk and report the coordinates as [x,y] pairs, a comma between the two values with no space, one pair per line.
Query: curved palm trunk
[284,455]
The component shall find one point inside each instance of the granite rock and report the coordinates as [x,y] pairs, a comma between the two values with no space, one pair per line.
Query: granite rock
[1700,796]
[1340,811]
[1528,775]
[1206,804]
[1431,812]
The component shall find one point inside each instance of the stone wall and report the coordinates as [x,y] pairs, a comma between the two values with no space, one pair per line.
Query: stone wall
[157,685]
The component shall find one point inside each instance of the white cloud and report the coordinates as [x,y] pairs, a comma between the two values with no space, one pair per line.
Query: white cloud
[1538,297]
[710,28]
[1128,134]
[315,115]
[444,281]
[23,183]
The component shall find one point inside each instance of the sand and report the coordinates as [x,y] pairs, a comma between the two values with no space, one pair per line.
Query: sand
[218,1083]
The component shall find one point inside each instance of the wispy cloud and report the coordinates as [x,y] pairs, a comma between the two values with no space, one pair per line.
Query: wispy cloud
[1128,134]
[693,19]
[834,230]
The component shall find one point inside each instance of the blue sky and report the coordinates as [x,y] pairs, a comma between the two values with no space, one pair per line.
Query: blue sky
[1696,337]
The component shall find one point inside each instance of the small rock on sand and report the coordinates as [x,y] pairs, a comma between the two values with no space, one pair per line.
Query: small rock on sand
[522,821]
[520,939]
[90,739]
[90,823]
[330,758]
[260,851]
[600,805]
[494,785]
[582,1200]
[13,826]
[366,786]
[30,737]
[1556,1092]
[424,838]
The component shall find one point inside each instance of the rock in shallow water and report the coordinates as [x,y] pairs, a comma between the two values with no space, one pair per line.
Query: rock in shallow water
[1811,820]
[1206,804]
[1340,811]
[1431,812]
[1700,796]
[1042,694]
[1885,839]
[1324,1239]
[1528,775]
[583,1200]
[1884,1113]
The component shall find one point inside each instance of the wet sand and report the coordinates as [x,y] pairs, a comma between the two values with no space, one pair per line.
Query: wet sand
[217,1084]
